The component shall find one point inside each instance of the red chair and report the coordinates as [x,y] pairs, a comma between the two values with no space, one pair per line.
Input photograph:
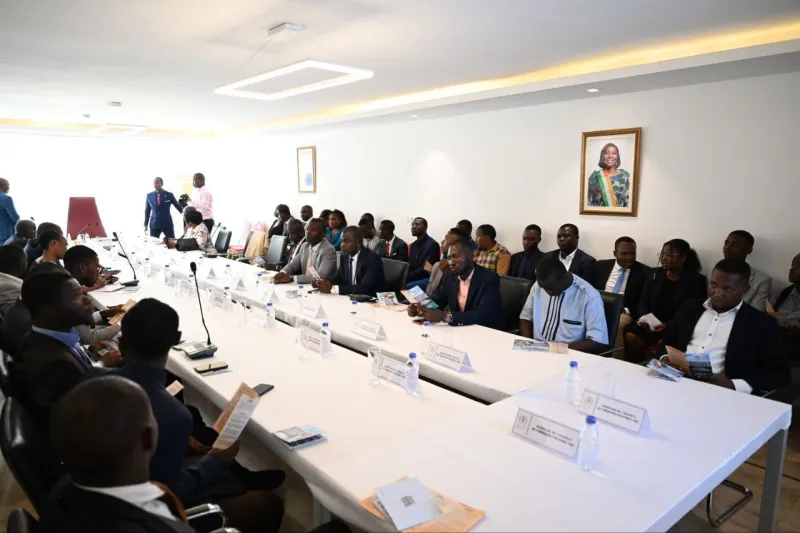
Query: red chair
[83,217]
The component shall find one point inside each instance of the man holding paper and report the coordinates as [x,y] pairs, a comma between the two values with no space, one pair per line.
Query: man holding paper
[316,252]
[743,345]
[360,269]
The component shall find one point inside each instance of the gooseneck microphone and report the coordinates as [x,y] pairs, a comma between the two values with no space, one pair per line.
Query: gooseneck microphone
[134,282]
[199,350]
[193,267]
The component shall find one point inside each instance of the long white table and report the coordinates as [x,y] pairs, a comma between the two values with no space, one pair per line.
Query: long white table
[698,434]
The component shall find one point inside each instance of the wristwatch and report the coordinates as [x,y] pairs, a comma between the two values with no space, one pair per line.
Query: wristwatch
[448,318]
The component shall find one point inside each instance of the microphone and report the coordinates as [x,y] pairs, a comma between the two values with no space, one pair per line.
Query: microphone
[134,282]
[86,226]
[198,350]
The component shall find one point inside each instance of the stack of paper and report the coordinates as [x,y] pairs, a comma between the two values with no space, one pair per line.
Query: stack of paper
[296,437]
[527,345]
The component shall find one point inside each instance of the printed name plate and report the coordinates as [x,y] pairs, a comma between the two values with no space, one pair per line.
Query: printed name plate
[366,328]
[613,411]
[218,299]
[313,310]
[545,432]
[449,357]
[393,371]
[311,340]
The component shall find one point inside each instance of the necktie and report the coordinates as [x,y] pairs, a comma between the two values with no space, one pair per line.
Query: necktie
[158,199]
[620,280]
[353,269]
[310,256]
[388,250]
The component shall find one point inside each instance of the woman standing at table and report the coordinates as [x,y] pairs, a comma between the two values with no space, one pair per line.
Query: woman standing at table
[195,229]
[336,224]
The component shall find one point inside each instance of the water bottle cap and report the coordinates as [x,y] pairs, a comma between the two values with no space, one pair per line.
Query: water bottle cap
[426,323]
[227,288]
[147,259]
[299,286]
[354,302]
[166,266]
[573,364]
[191,276]
[590,419]
[324,324]
[269,304]
[412,355]
[260,274]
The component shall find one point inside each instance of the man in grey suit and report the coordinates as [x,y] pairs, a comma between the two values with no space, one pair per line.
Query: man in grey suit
[316,251]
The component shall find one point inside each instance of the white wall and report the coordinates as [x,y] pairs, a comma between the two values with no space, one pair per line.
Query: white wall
[715,157]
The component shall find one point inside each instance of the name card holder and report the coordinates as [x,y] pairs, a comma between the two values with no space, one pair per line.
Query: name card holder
[392,371]
[211,274]
[366,328]
[449,357]
[613,411]
[311,340]
[547,433]
[217,298]
[257,316]
[313,310]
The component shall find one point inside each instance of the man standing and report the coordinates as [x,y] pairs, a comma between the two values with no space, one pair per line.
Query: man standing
[524,263]
[423,255]
[306,213]
[158,203]
[8,215]
[396,248]
[202,200]
[575,261]
[739,245]
[360,269]
[316,252]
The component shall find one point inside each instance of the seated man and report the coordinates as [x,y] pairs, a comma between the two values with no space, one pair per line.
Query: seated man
[396,248]
[443,267]
[368,234]
[105,433]
[423,254]
[623,275]
[576,261]
[490,253]
[464,226]
[524,263]
[51,360]
[306,214]
[25,231]
[788,301]
[149,330]
[297,236]
[738,245]
[471,292]
[360,269]
[745,346]
[563,307]
[13,265]
[316,252]
[33,249]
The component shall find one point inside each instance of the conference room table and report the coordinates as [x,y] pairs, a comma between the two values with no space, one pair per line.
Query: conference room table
[696,434]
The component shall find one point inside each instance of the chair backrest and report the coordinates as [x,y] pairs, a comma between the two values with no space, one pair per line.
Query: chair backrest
[21,521]
[27,454]
[223,241]
[396,273]
[247,240]
[7,382]
[513,293]
[276,250]
[612,305]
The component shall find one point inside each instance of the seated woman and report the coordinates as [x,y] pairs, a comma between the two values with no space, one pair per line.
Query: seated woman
[195,229]
[677,280]
[336,225]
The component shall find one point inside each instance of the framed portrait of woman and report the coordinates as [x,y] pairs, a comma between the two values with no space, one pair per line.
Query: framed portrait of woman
[307,169]
[610,172]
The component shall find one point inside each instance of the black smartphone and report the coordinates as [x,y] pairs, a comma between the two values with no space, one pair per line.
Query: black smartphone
[210,367]
[262,388]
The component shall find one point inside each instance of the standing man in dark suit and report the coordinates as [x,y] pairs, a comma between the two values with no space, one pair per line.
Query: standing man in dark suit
[524,263]
[744,345]
[471,292]
[575,261]
[396,248]
[424,253]
[156,211]
[360,269]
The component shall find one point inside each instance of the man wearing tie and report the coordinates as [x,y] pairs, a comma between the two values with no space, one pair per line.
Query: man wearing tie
[360,269]
[156,211]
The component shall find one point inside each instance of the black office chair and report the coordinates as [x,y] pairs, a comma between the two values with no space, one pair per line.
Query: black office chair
[395,273]
[27,454]
[612,305]
[20,521]
[223,241]
[276,252]
[7,384]
[513,293]
[215,231]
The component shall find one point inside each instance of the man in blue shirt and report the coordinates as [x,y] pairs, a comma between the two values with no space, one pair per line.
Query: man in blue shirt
[8,215]
[564,308]
[158,203]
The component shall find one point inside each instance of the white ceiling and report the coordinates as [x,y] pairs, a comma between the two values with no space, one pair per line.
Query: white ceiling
[60,59]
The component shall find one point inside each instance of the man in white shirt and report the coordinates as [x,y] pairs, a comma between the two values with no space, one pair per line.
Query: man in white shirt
[744,345]
[202,200]
[574,260]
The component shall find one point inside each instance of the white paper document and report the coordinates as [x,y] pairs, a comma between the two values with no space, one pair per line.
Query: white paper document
[237,421]
[649,319]
[407,503]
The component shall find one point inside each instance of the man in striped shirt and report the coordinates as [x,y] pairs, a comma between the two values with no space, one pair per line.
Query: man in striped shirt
[564,308]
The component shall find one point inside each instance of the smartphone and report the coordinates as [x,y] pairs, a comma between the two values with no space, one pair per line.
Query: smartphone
[102,352]
[210,367]
[418,321]
[112,271]
[262,388]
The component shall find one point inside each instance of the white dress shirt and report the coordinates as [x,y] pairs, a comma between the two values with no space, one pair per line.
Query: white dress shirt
[567,261]
[353,263]
[614,276]
[203,201]
[710,335]
[144,495]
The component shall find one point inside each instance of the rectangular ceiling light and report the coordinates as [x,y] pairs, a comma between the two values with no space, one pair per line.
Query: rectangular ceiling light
[118,130]
[348,75]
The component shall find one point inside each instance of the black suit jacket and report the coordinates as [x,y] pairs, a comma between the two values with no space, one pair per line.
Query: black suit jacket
[690,286]
[755,351]
[633,288]
[422,251]
[484,306]
[278,228]
[399,251]
[520,268]
[370,278]
[74,510]
[583,265]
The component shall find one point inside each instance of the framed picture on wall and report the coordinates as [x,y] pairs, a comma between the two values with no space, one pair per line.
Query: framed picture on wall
[307,169]
[610,172]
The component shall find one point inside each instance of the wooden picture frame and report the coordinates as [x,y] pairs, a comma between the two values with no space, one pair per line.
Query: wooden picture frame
[607,188]
[307,169]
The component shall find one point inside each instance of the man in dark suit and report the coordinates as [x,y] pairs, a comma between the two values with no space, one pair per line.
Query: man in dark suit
[105,433]
[51,361]
[576,261]
[396,248]
[156,211]
[423,254]
[33,249]
[744,345]
[471,292]
[280,226]
[524,263]
[297,236]
[360,269]
[25,231]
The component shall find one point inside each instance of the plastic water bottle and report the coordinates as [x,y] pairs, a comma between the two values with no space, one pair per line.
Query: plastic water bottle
[426,337]
[191,291]
[270,323]
[228,299]
[572,385]
[412,375]
[354,307]
[325,347]
[301,293]
[167,276]
[148,268]
[228,277]
[587,450]
[69,240]
[259,286]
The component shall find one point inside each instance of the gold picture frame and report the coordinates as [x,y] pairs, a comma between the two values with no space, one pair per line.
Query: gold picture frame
[307,169]
[606,187]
